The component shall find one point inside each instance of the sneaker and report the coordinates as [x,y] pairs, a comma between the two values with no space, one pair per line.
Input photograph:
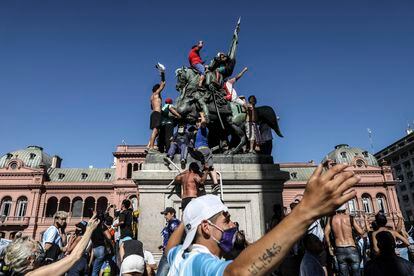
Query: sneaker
[160,67]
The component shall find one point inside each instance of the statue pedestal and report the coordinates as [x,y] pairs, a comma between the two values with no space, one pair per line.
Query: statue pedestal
[252,184]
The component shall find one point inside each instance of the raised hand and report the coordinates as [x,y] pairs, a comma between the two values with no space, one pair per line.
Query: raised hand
[325,192]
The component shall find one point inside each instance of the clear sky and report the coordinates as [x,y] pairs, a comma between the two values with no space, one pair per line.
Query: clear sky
[76,76]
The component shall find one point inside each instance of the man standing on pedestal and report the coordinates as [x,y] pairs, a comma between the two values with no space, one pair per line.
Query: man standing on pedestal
[155,121]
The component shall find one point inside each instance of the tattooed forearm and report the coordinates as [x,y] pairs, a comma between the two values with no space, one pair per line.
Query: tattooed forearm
[265,259]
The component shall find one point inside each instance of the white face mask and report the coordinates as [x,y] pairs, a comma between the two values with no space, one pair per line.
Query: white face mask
[180,130]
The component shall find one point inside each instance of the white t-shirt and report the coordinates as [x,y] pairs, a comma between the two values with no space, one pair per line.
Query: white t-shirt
[52,236]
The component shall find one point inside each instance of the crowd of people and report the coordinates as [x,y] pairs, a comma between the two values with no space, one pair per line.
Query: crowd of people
[316,238]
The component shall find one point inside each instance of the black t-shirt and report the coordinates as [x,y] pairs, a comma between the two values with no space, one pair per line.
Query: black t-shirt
[126,227]
[133,247]
[98,237]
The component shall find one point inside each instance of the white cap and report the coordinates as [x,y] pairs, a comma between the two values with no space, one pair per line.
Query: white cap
[199,209]
[133,263]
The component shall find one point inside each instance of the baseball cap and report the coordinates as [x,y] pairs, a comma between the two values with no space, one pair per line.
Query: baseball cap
[133,263]
[199,209]
[82,225]
[168,210]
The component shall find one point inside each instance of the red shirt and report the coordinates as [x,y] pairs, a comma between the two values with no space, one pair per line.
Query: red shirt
[194,56]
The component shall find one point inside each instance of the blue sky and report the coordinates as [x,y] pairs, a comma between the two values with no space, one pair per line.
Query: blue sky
[75,76]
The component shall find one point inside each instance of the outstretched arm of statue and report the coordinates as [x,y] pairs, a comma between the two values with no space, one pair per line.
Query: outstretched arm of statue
[323,194]
[241,73]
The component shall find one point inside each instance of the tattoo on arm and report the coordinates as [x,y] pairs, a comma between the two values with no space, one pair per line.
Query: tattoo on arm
[265,259]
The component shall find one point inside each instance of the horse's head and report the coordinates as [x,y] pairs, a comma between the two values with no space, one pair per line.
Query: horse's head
[182,80]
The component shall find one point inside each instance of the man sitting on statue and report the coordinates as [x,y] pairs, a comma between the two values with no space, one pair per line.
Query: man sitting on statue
[196,61]
[179,143]
[201,146]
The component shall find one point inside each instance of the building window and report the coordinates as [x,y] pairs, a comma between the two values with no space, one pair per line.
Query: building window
[101,205]
[359,163]
[88,207]
[365,153]
[352,206]
[6,205]
[129,171]
[294,175]
[343,154]
[64,204]
[51,207]
[21,206]
[13,165]
[61,175]
[32,156]
[77,207]
[381,203]
[9,156]
[107,175]
[84,176]
[135,167]
[367,204]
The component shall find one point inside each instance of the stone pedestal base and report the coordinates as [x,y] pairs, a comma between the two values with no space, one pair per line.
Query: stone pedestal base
[252,184]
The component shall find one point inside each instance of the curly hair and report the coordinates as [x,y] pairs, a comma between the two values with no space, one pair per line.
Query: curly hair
[18,254]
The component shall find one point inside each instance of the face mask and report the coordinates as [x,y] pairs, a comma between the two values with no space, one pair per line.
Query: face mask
[228,238]
[180,130]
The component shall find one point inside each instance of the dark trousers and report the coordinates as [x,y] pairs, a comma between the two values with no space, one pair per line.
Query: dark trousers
[80,268]
[348,261]
[164,137]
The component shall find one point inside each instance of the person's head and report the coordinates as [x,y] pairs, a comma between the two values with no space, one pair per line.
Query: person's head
[252,100]
[133,265]
[222,56]
[169,213]
[60,218]
[181,129]
[168,101]
[374,226]
[18,235]
[24,254]
[207,222]
[194,167]
[108,220]
[313,244]
[155,87]
[80,228]
[381,219]
[386,243]
[116,213]
[198,123]
[126,204]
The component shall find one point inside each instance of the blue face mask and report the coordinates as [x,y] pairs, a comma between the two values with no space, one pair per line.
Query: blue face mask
[228,238]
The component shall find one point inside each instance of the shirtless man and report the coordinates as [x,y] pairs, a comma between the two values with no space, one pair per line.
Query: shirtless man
[345,249]
[155,121]
[192,181]
[381,221]
[251,127]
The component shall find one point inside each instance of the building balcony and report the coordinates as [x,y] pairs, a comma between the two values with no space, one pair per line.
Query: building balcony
[14,221]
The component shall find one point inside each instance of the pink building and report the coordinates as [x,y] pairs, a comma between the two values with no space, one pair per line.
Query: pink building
[33,186]
[376,191]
